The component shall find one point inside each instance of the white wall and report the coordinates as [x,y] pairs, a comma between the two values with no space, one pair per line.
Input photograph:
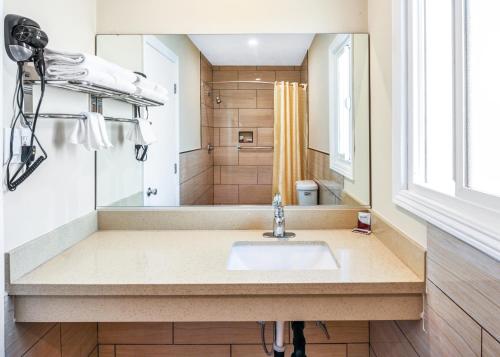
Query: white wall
[189,90]
[62,188]
[379,27]
[230,16]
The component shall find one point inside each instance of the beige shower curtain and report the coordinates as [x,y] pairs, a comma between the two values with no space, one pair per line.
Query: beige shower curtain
[290,139]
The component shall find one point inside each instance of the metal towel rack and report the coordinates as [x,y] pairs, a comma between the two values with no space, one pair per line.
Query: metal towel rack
[30,116]
[95,90]
[97,94]
[255,148]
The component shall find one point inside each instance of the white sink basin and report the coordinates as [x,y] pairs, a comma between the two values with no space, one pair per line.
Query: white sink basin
[281,256]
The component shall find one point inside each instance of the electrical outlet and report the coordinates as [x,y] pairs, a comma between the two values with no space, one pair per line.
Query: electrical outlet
[16,146]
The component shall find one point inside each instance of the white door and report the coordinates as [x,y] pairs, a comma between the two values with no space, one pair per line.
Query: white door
[161,167]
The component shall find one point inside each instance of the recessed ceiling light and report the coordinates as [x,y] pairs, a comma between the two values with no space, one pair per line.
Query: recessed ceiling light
[253,42]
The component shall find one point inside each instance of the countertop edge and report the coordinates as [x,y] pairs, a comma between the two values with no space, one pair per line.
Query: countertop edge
[283,289]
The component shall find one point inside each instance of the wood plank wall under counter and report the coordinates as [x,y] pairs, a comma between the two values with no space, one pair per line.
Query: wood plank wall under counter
[220,339]
[462,306]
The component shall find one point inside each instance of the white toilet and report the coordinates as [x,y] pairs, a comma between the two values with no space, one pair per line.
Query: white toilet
[307,193]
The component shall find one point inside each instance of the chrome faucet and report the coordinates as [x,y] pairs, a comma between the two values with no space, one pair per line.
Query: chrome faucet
[278,220]
[279,217]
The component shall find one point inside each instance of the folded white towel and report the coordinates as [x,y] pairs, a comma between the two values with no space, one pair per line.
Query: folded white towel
[91,132]
[64,56]
[151,90]
[82,66]
[142,133]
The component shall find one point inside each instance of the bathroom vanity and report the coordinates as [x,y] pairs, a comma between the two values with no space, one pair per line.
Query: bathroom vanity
[127,272]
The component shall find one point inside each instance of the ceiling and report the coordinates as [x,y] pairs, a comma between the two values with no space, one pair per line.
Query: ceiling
[254,50]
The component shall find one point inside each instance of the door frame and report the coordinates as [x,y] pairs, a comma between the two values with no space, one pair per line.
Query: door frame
[155,43]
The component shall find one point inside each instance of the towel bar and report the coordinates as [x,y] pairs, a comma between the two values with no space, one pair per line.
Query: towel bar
[30,116]
[255,147]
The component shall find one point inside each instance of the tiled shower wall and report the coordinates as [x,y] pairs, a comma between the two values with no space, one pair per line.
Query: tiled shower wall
[245,176]
[196,166]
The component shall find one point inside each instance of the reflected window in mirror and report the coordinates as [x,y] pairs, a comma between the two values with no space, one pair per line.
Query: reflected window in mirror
[341,111]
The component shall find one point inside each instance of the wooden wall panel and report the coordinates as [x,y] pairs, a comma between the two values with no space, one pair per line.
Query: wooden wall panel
[49,345]
[387,340]
[113,333]
[312,350]
[106,350]
[462,306]
[226,339]
[200,333]
[172,351]
[470,278]
[340,332]
[78,339]
[491,347]
[449,331]
[358,350]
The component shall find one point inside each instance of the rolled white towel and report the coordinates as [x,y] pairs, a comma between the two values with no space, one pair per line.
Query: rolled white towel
[142,133]
[150,89]
[91,132]
[154,95]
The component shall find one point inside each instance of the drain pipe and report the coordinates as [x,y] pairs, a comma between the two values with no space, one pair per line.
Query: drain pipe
[299,341]
[279,342]
[278,349]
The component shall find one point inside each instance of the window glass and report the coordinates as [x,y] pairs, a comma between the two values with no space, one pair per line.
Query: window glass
[344,103]
[435,124]
[483,110]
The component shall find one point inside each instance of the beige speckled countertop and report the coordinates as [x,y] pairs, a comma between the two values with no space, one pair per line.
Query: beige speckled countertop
[140,263]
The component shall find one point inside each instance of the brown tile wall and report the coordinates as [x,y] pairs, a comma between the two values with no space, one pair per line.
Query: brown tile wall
[462,306]
[221,339]
[245,177]
[318,169]
[196,167]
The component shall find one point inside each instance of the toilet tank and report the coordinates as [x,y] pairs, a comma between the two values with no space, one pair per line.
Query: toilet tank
[307,193]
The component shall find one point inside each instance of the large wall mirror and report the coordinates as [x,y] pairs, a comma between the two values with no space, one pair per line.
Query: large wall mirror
[244,116]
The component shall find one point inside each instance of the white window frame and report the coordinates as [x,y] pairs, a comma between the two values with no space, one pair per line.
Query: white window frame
[470,216]
[337,163]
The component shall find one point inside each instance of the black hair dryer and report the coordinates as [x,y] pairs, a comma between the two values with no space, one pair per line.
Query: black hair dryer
[23,38]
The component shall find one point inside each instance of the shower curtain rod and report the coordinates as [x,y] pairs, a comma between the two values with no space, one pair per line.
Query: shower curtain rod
[255,82]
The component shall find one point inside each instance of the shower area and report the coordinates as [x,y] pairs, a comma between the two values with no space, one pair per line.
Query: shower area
[237,118]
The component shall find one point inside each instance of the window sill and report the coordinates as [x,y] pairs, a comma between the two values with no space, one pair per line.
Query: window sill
[466,227]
